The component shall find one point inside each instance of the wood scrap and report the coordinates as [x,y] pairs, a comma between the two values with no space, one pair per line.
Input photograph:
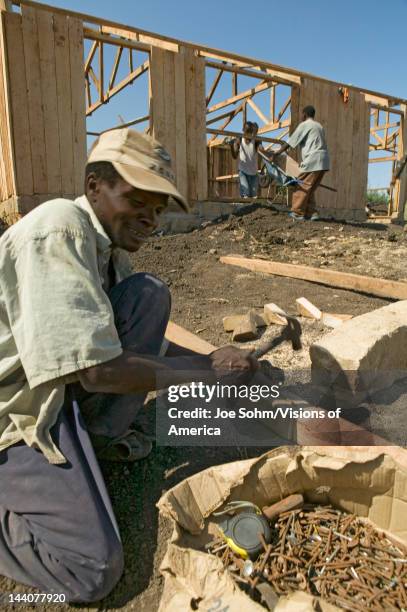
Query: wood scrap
[230,322]
[334,320]
[354,282]
[272,316]
[246,330]
[305,308]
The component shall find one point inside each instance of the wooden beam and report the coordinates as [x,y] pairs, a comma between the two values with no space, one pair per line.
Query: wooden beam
[363,284]
[214,86]
[277,125]
[155,39]
[101,73]
[258,112]
[376,128]
[91,34]
[284,108]
[376,160]
[91,55]
[387,108]
[219,117]
[239,135]
[121,125]
[244,94]
[115,67]
[126,81]
[254,74]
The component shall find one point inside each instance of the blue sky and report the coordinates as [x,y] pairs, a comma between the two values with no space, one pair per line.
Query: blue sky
[360,42]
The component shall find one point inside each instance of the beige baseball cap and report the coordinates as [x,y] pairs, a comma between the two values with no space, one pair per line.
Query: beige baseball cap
[139,159]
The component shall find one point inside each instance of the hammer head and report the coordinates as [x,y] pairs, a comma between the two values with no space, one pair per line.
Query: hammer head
[293,332]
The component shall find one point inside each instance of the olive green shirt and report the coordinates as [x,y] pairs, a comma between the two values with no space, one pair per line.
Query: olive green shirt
[55,315]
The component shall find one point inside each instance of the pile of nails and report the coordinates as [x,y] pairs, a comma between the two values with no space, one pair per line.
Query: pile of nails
[327,553]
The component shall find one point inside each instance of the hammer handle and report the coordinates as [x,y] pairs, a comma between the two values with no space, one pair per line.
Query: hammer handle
[292,502]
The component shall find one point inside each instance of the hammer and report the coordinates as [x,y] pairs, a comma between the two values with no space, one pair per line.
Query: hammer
[291,332]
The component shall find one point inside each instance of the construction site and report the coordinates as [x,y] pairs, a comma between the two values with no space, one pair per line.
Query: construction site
[238,271]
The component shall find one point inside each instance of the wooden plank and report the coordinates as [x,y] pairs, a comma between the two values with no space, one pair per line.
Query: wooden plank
[244,94]
[64,99]
[182,337]
[34,98]
[18,104]
[180,123]
[363,284]
[49,100]
[78,102]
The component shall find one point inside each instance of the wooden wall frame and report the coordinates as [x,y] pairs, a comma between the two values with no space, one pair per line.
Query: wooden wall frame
[48,89]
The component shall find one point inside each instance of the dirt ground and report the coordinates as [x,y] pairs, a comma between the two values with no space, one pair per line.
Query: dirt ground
[204,291]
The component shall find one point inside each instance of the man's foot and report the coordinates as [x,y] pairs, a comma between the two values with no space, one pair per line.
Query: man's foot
[296,217]
[314,217]
[131,446]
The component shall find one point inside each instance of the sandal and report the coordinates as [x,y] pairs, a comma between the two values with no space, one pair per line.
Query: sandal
[131,446]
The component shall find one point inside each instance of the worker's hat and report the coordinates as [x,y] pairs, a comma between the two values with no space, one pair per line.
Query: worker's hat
[139,159]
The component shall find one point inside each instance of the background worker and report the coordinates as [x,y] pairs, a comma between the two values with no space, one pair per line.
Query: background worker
[76,324]
[247,149]
[310,137]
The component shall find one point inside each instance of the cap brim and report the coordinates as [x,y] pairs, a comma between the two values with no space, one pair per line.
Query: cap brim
[149,181]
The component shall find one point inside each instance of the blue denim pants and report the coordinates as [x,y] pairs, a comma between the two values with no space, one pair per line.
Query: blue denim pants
[248,184]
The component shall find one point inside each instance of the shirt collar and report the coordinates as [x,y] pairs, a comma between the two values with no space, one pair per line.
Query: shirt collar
[103,241]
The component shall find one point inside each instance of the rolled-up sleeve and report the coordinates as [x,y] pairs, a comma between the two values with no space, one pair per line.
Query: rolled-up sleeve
[61,318]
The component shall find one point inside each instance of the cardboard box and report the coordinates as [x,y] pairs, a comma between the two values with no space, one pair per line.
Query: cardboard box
[370,482]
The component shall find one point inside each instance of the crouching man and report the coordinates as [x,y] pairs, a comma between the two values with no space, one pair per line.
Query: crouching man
[81,343]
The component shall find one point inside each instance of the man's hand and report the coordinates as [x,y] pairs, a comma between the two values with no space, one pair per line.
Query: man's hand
[232,359]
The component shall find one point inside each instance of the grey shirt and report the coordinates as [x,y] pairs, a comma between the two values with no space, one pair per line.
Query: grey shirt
[310,136]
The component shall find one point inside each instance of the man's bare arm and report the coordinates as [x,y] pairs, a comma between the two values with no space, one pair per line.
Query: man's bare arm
[132,373]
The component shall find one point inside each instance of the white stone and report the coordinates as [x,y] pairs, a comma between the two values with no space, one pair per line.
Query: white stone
[364,354]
